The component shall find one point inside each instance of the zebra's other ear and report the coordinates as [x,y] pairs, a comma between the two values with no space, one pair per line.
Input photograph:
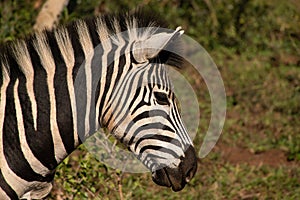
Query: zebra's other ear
[147,49]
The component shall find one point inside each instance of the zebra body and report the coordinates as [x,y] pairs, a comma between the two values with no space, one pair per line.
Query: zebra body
[58,87]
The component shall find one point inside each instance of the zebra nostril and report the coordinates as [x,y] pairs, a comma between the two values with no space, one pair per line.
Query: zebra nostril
[189,164]
[190,174]
[181,158]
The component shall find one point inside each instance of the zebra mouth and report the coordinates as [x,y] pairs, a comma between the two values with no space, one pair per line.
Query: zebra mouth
[163,178]
[177,178]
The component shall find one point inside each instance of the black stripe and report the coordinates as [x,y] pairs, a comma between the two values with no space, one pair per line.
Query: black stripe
[158,76]
[157,148]
[40,141]
[156,125]
[122,59]
[12,145]
[137,88]
[92,29]
[96,73]
[122,62]
[153,157]
[164,77]
[127,92]
[121,65]
[1,73]
[96,70]
[150,113]
[137,93]
[141,103]
[78,51]
[111,58]
[97,95]
[142,115]
[62,97]
[159,138]
[6,188]
[174,113]
[27,111]
[126,98]
[79,78]
[109,72]
[81,99]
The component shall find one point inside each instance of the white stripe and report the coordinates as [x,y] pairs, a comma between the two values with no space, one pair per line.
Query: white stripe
[178,151]
[3,195]
[88,50]
[67,52]
[118,39]
[180,127]
[122,43]
[34,163]
[123,104]
[4,85]
[146,133]
[21,187]
[107,46]
[167,158]
[47,61]
[15,182]
[132,30]
[145,121]
[147,95]
[5,79]
[8,175]
[23,59]
[135,85]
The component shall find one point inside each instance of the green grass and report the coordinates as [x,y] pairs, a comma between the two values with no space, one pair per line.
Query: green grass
[256,46]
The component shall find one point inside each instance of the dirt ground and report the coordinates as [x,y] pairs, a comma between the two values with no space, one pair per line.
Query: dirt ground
[238,155]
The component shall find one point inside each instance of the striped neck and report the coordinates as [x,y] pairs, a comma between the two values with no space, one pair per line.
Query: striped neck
[56,84]
[103,58]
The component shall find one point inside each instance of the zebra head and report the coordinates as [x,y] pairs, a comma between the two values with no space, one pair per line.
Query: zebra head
[143,113]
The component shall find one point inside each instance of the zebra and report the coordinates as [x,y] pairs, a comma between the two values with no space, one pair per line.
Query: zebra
[45,113]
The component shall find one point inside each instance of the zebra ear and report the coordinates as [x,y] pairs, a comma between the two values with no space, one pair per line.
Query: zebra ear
[151,47]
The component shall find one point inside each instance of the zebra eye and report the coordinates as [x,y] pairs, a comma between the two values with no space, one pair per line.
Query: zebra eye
[161,98]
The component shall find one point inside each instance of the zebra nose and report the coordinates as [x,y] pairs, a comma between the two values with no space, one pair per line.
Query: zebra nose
[190,173]
[177,177]
[189,164]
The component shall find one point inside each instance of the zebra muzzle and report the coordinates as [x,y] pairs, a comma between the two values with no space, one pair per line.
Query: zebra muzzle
[178,177]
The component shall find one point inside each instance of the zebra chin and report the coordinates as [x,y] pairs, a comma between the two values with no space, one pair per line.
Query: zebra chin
[177,178]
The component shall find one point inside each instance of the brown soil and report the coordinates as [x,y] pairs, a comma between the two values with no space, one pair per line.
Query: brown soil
[238,155]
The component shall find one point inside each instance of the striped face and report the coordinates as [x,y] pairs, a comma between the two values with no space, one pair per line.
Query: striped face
[142,113]
[144,116]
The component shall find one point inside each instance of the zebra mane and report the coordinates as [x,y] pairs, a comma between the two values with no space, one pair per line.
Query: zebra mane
[15,57]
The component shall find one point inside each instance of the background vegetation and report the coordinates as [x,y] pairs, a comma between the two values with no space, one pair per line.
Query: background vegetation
[256,45]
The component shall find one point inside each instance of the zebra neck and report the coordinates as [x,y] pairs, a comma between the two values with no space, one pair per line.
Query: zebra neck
[57,85]
[106,61]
